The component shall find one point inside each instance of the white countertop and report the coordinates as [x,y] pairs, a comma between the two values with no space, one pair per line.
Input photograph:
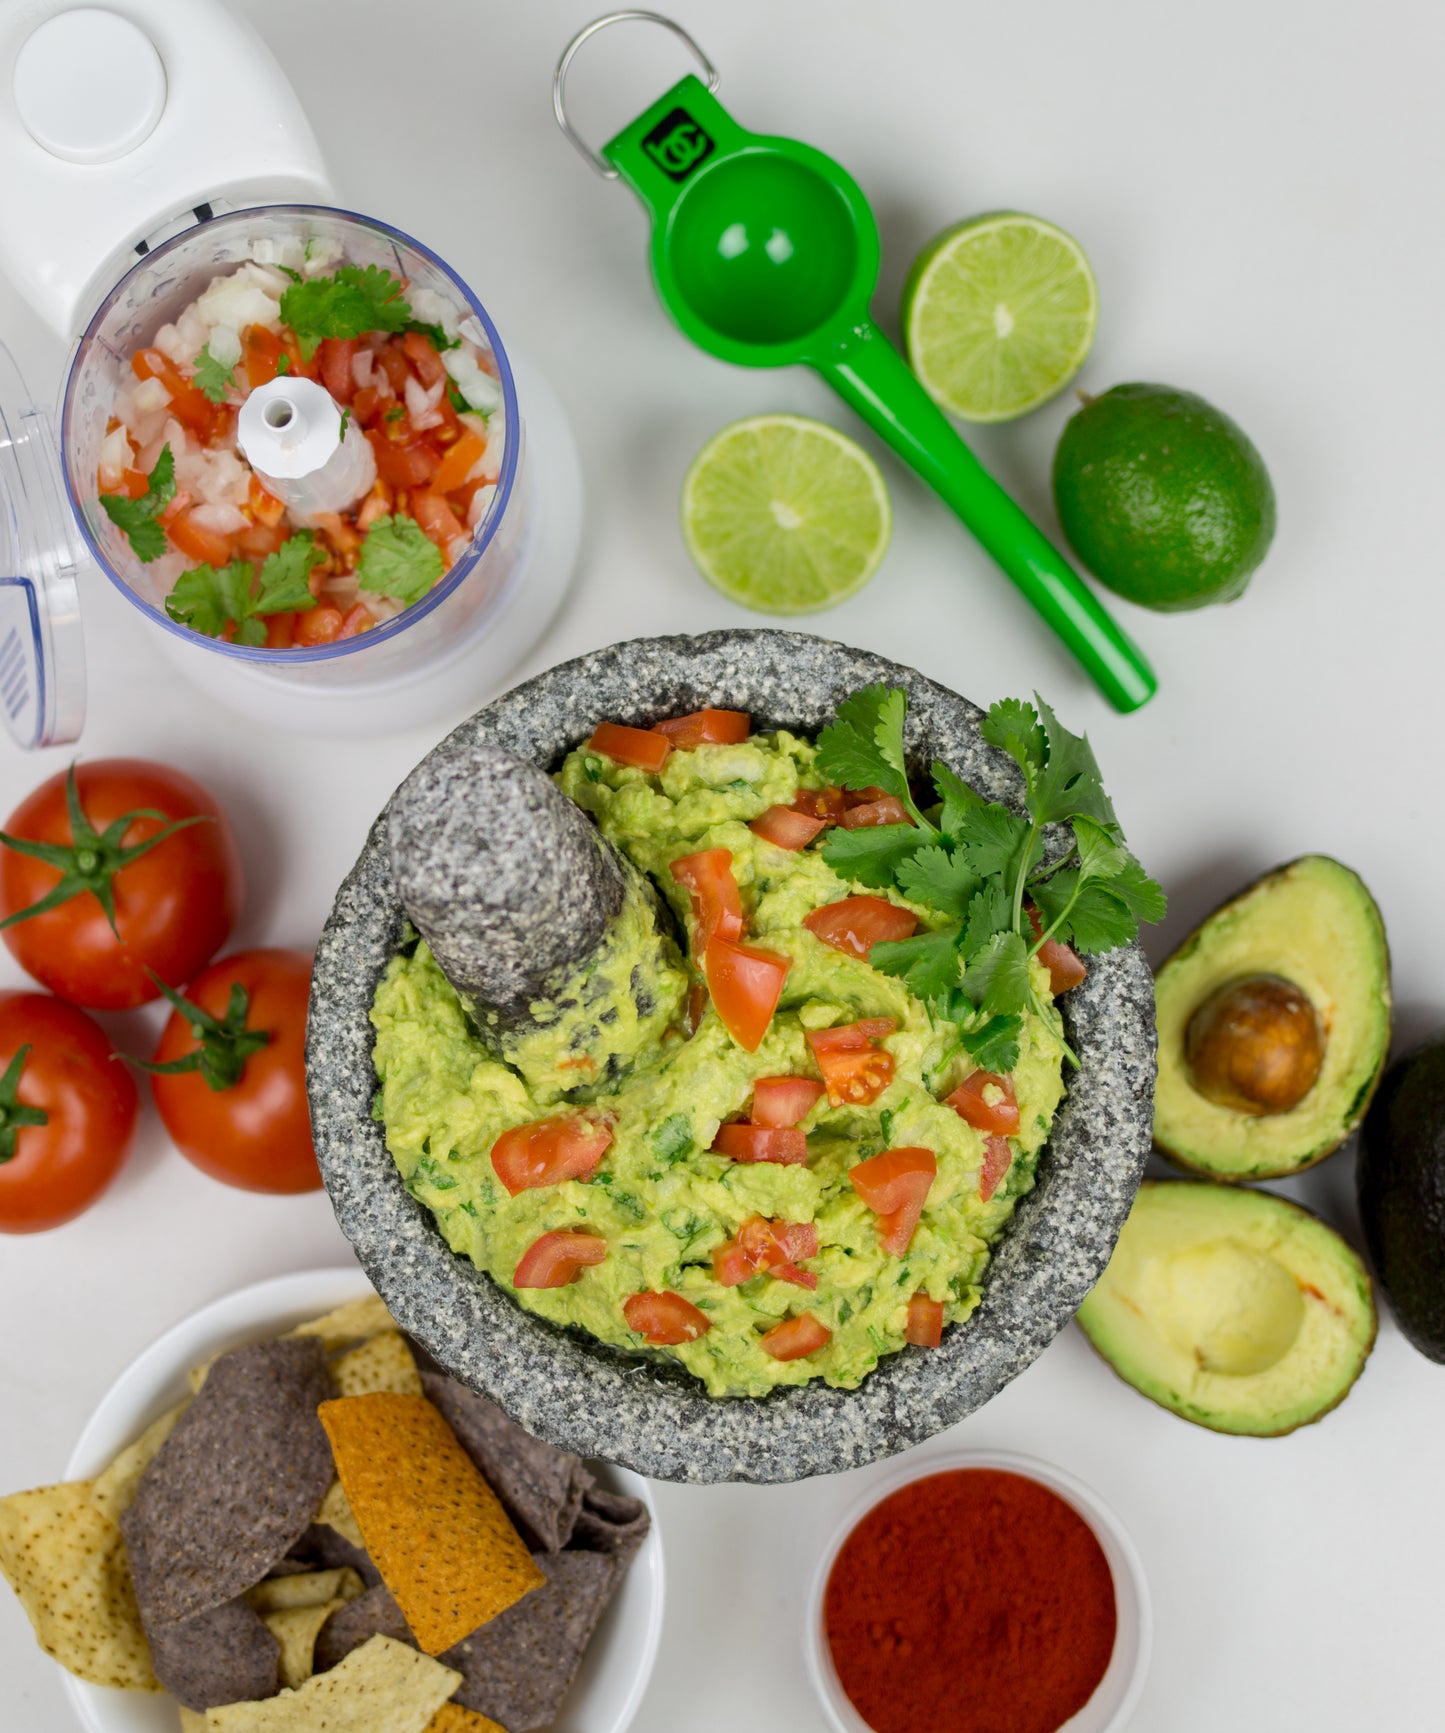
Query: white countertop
[1258,189]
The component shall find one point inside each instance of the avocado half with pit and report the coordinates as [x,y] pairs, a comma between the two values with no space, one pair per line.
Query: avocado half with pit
[1232,1308]
[1274,1025]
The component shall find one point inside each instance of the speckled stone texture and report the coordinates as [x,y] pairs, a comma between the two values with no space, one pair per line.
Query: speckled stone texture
[510,884]
[578,1393]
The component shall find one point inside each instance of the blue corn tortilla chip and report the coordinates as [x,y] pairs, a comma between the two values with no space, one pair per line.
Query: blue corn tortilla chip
[236,1483]
[540,1487]
[610,1522]
[321,1548]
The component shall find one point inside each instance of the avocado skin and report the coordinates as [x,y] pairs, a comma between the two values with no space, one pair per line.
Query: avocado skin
[1402,1193]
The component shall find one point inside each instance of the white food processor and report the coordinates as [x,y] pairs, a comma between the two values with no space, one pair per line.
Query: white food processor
[127,190]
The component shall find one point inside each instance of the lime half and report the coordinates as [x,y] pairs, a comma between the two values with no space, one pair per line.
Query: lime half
[998,315]
[785,515]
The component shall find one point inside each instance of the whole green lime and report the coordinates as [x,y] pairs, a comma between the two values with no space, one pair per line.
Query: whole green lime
[1163,497]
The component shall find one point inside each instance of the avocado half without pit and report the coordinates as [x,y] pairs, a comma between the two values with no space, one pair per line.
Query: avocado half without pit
[1274,1025]
[1235,1309]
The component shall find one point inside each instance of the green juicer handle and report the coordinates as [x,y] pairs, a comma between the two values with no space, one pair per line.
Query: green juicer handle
[873,378]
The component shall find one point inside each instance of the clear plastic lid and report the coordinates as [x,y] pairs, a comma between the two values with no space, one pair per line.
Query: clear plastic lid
[42,648]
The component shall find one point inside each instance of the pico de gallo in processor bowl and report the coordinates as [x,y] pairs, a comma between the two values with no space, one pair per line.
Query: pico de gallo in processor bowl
[413,430]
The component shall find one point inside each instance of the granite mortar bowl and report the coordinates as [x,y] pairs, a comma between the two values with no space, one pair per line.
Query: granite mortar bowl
[585,1396]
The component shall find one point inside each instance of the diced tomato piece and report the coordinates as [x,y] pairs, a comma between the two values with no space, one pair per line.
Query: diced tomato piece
[855,1072]
[637,746]
[333,362]
[971,1101]
[732,1264]
[997,1159]
[796,1338]
[262,504]
[784,1100]
[784,828]
[743,1142]
[707,728]
[368,404]
[856,924]
[666,1319]
[863,796]
[548,1151]
[745,985]
[261,351]
[392,361]
[338,533]
[774,1246]
[888,809]
[197,542]
[260,539]
[134,483]
[798,1239]
[924,1328]
[192,408]
[461,459]
[280,631]
[717,904]
[437,520]
[358,619]
[557,1259]
[318,626]
[829,803]
[411,464]
[421,352]
[895,1186]
[1065,966]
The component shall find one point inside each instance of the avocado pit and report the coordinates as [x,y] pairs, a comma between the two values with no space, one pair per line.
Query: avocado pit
[1255,1045]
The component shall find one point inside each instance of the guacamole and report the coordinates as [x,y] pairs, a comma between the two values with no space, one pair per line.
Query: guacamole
[660,1198]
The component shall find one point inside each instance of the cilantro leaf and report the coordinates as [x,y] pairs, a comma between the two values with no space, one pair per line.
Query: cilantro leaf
[284,589]
[1099,914]
[1140,894]
[990,913]
[351,302]
[994,1045]
[958,798]
[997,979]
[136,518]
[208,598]
[1100,855]
[872,854]
[991,839]
[212,376]
[928,962]
[434,335]
[944,881]
[1071,784]
[1013,726]
[848,749]
[398,560]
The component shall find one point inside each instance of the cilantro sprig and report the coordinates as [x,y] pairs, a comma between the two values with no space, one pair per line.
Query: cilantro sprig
[209,598]
[398,559]
[353,301]
[137,519]
[213,376]
[984,866]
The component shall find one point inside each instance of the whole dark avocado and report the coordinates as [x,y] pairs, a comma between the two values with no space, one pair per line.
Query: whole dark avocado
[1402,1193]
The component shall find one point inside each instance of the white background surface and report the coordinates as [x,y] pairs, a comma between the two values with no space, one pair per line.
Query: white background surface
[1257,185]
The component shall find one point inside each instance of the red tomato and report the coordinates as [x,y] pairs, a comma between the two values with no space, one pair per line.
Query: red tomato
[254,1132]
[437,520]
[796,1338]
[558,1258]
[925,1321]
[175,903]
[260,540]
[997,1159]
[895,1186]
[369,403]
[421,352]
[716,904]
[887,809]
[829,804]
[784,1100]
[784,828]
[549,1151]
[197,542]
[392,361]
[856,924]
[855,1072]
[665,1318]
[1065,966]
[319,626]
[261,352]
[461,459]
[409,464]
[333,360]
[358,619]
[774,1246]
[970,1101]
[707,728]
[638,746]
[192,408]
[280,631]
[67,1112]
[745,985]
[743,1142]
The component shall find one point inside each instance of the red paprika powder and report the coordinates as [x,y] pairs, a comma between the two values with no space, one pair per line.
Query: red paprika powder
[974,1601]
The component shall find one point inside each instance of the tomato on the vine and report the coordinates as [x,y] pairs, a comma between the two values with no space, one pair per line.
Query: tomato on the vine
[67,1112]
[114,869]
[229,1075]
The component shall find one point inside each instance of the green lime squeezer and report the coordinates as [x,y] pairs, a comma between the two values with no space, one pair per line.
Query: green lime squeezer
[766,253]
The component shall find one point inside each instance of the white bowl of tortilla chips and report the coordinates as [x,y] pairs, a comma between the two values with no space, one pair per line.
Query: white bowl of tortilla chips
[381,1686]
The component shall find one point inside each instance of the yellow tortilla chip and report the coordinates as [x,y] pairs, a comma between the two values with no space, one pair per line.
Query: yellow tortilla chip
[349,1323]
[382,1687]
[335,1512]
[296,1630]
[114,1487]
[64,1557]
[436,1531]
[384,1363]
[452,1718]
[305,1589]
[191,1722]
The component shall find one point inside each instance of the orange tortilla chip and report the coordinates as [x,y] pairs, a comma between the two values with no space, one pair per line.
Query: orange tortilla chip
[435,1530]
[452,1718]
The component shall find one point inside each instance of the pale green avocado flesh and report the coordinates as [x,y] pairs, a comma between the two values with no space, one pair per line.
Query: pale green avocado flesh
[1232,1308]
[1314,924]
[659,1198]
